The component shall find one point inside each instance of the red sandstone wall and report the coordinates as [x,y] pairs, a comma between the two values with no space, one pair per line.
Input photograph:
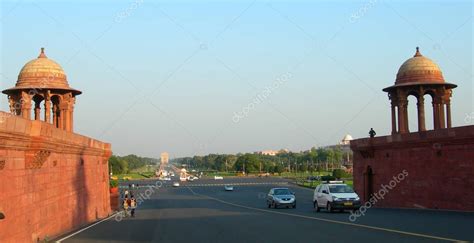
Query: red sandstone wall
[51,181]
[440,167]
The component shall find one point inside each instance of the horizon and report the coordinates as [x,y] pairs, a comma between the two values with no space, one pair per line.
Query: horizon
[240,76]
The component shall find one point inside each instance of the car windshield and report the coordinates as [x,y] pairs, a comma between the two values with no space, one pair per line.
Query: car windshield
[340,189]
[281,192]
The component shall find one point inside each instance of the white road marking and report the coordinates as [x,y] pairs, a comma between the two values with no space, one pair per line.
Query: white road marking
[90,226]
[328,220]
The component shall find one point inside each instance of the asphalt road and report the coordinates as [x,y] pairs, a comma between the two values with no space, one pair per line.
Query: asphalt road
[201,211]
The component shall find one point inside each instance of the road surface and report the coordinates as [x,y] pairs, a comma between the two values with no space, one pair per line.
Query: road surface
[201,211]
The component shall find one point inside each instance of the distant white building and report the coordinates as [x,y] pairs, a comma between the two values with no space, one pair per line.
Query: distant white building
[272,152]
[345,146]
[165,158]
[346,140]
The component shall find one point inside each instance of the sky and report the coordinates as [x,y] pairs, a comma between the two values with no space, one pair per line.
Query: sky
[199,77]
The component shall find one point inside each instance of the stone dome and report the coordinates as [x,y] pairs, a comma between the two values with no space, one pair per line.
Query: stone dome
[346,140]
[42,73]
[419,69]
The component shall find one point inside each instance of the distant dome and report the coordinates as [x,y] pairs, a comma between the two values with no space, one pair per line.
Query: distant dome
[42,73]
[419,69]
[347,139]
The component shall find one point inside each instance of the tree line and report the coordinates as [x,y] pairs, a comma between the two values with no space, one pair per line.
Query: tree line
[126,164]
[315,159]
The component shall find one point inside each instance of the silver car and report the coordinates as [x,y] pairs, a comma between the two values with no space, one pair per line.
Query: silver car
[281,197]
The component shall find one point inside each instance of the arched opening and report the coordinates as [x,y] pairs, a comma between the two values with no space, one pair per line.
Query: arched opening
[36,107]
[412,112]
[368,183]
[429,115]
[55,100]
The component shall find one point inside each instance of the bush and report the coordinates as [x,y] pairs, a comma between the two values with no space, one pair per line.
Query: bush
[113,183]
[340,173]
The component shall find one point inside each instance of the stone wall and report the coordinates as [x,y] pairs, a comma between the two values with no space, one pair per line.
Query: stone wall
[51,181]
[439,166]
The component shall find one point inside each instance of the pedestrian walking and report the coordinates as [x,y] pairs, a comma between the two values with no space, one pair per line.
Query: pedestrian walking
[125,205]
[133,206]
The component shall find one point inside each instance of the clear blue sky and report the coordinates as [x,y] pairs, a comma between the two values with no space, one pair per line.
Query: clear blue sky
[170,75]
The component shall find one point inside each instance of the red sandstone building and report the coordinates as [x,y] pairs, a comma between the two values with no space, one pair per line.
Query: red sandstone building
[51,179]
[421,169]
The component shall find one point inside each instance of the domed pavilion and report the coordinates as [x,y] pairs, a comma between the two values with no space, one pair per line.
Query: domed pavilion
[420,76]
[43,81]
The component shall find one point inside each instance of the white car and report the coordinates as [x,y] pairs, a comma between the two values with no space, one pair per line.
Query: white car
[176,184]
[167,179]
[218,178]
[335,195]
[228,188]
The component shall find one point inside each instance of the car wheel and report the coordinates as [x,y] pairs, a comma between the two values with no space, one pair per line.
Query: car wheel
[329,208]
[269,205]
[294,205]
[274,205]
[315,205]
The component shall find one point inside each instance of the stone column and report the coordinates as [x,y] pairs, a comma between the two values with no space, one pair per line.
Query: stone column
[442,119]
[37,111]
[394,122]
[421,113]
[25,105]
[71,119]
[55,115]
[435,114]
[13,104]
[72,101]
[47,107]
[67,120]
[448,114]
[402,116]
[62,116]
[405,110]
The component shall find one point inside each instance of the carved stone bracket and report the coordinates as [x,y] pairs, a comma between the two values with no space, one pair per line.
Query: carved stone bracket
[2,164]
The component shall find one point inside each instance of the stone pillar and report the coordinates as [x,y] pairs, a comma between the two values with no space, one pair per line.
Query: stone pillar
[71,119]
[25,105]
[55,115]
[47,111]
[435,114]
[448,114]
[394,122]
[399,120]
[67,120]
[47,107]
[402,116]
[62,116]
[13,104]
[421,113]
[405,110]
[442,119]
[37,111]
